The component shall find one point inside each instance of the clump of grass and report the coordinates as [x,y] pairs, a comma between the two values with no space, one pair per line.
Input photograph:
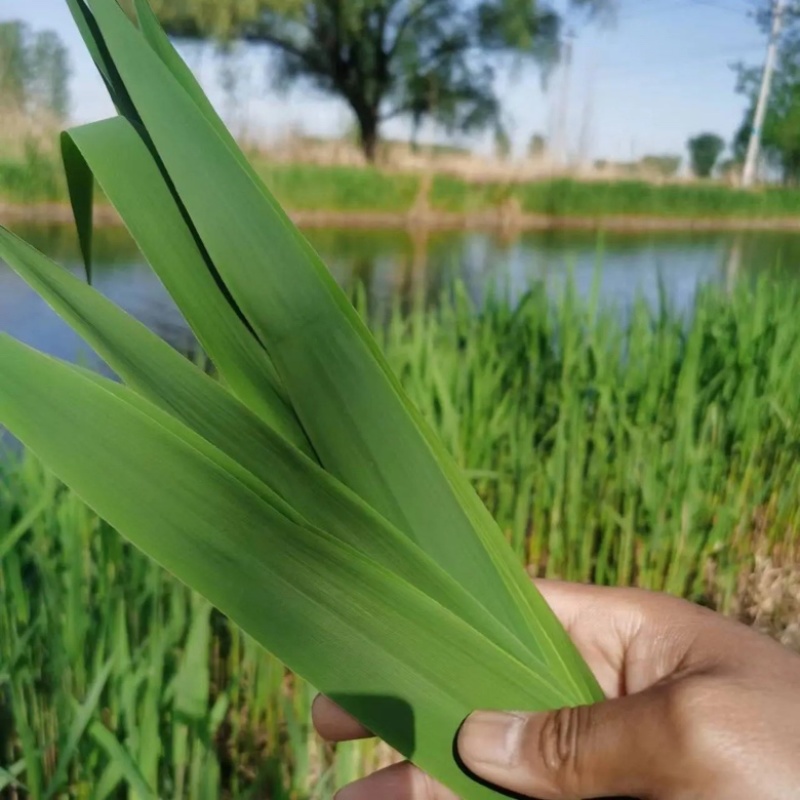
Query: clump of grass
[304,187]
[36,176]
[620,449]
[656,450]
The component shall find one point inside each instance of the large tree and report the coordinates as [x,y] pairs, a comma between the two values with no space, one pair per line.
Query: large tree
[419,59]
[780,134]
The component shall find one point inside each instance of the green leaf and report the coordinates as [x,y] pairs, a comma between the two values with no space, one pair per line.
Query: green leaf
[18,530]
[8,777]
[121,761]
[263,459]
[87,27]
[192,690]
[83,715]
[399,661]
[80,183]
[159,229]
[359,423]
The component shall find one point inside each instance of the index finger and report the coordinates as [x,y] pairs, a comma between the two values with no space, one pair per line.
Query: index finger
[334,724]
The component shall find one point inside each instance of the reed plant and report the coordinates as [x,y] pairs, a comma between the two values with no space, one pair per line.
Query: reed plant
[656,449]
[303,495]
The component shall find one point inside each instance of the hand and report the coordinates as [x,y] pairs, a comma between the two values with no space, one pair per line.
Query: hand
[700,708]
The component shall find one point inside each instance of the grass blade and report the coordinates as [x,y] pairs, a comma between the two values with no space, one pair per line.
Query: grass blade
[121,759]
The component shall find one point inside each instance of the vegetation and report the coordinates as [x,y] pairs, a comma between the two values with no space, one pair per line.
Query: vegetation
[665,166]
[309,188]
[656,450]
[305,482]
[38,176]
[780,133]
[704,152]
[606,199]
[34,72]
[31,177]
[418,59]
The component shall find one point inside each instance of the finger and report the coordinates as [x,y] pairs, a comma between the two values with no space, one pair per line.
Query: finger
[334,723]
[602,624]
[572,602]
[399,782]
[622,747]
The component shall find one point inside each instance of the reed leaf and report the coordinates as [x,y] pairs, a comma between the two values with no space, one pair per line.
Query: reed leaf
[302,494]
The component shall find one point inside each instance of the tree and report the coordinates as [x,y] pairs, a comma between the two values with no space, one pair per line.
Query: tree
[780,135]
[14,66]
[665,166]
[537,146]
[34,71]
[502,142]
[419,59]
[704,151]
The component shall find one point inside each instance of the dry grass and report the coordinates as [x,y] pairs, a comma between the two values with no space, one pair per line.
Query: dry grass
[455,161]
[20,131]
[769,600]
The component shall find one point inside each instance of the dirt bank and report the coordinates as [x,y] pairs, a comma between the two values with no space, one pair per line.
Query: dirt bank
[500,220]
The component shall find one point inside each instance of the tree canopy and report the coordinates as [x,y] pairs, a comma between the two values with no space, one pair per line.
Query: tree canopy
[704,152]
[418,59]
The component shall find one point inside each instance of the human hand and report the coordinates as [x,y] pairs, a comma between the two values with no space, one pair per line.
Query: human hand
[700,708]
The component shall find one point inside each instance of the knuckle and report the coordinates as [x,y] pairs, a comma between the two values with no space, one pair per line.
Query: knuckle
[560,743]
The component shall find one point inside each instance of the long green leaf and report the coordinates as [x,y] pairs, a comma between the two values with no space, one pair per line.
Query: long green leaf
[388,653]
[160,231]
[262,458]
[358,424]
[122,761]
[80,183]
[81,720]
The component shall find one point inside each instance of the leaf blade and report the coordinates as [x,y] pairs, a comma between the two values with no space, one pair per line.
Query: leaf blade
[369,640]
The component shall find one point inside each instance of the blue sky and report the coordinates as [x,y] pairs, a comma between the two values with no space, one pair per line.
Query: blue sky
[643,85]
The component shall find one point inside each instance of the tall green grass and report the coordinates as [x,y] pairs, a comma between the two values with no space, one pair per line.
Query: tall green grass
[647,448]
[306,187]
[38,177]
[602,199]
[35,176]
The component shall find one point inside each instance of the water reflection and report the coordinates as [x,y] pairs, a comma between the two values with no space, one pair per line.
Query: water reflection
[396,266]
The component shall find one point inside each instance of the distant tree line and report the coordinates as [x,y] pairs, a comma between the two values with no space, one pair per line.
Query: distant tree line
[34,71]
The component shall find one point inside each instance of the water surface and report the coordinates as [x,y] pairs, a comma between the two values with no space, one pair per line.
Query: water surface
[398,265]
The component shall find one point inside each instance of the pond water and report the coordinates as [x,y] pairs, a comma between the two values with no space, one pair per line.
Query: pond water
[395,263]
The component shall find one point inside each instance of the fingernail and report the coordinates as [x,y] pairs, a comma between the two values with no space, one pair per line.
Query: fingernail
[491,738]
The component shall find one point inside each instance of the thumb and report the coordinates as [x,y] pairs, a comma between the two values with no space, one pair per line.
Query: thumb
[619,747]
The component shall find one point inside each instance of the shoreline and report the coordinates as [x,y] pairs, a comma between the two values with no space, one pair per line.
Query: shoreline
[495,220]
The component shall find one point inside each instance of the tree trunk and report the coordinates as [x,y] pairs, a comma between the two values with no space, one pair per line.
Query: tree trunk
[368,128]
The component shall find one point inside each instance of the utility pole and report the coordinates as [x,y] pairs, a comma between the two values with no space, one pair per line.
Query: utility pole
[751,161]
[562,125]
